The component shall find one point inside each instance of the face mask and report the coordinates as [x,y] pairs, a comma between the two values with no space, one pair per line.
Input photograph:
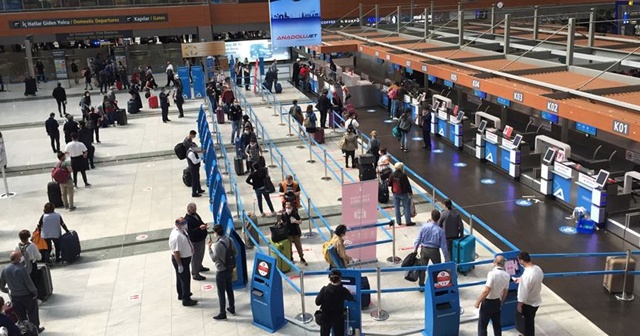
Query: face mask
[246,132]
[289,210]
[184,227]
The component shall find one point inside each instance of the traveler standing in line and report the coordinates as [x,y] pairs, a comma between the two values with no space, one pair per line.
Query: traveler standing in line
[52,127]
[188,141]
[384,168]
[374,146]
[401,188]
[529,289]
[337,241]
[78,152]
[274,69]
[349,145]
[170,74]
[181,252]
[164,104]
[391,94]
[253,152]
[64,181]
[237,69]
[227,98]
[256,180]
[400,107]
[30,253]
[235,117]
[60,95]
[451,222]
[290,192]
[193,160]
[246,72]
[490,300]
[223,255]
[331,300]
[22,290]
[177,96]
[425,124]
[295,74]
[70,126]
[49,225]
[310,121]
[323,105]
[429,241]
[404,124]
[197,234]
[291,219]
[85,135]
[87,78]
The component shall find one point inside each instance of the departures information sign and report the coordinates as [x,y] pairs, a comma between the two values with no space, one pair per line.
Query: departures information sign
[88,21]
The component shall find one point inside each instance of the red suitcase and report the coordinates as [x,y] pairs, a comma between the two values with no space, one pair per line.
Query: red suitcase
[220,115]
[318,136]
[153,102]
[119,85]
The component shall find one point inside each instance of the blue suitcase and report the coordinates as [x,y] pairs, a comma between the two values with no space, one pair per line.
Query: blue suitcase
[464,250]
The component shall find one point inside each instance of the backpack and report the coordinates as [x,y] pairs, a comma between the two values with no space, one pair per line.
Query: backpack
[181,151]
[396,188]
[230,258]
[59,174]
[27,328]
[25,255]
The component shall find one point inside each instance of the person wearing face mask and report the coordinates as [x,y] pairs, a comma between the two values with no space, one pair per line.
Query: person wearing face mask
[181,252]
[235,117]
[85,105]
[337,241]
[253,153]
[291,219]
[290,192]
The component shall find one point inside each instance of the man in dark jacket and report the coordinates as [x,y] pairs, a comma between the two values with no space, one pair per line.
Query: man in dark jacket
[85,135]
[451,222]
[296,73]
[425,122]
[401,189]
[164,105]
[61,98]
[323,105]
[69,127]
[54,133]
[197,230]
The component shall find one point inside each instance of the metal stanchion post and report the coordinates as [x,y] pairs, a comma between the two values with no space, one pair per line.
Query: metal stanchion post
[280,113]
[282,166]
[230,192]
[289,134]
[226,169]
[341,181]
[237,202]
[271,165]
[624,296]
[326,177]
[333,122]
[275,113]
[379,314]
[303,317]
[310,234]
[471,225]
[265,148]
[393,259]
[311,160]
[300,135]
[361,144]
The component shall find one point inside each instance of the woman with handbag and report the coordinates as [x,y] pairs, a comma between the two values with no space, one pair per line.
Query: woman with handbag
[331,300]
[257,180]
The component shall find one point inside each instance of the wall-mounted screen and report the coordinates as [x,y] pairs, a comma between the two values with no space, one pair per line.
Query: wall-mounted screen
[253,49]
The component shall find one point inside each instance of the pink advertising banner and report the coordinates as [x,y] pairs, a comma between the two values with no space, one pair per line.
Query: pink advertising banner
[359,207]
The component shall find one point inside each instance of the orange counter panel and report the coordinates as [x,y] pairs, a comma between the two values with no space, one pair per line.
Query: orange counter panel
[500,63]
[417,46]
[453,54]
[629,97]
[573,80]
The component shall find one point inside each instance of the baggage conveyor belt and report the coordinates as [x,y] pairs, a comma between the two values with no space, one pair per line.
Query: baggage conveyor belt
[533,228]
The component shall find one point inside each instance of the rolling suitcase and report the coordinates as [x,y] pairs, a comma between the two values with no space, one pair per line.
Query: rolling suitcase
[30,87]
[318,136]
[69,246]
[283,247]
[153,102]
[119,85]
[383,192]
[464,250]
[121,117]
[238,164]
[366,298]
[239,149]
[55,194]
[132,107]
[186,177]
[278,88]
[613,282]
[220,115]
[366,167]
[43,282]
[250,230]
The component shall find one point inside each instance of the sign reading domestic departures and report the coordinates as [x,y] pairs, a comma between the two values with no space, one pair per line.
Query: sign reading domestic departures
[88,21]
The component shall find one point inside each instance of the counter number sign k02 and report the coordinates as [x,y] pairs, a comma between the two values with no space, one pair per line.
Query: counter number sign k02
[295,23]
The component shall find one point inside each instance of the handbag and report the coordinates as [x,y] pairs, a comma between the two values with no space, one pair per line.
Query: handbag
[318,316]
[269,188]
[396,132]
[279,233]
[37,239]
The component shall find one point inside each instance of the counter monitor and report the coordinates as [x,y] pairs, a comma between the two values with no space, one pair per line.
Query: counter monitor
[602,178]
[517,140]
[482,126]
[548,156]
[460,116]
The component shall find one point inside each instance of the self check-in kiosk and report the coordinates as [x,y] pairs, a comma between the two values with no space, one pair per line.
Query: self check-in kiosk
[351,280]
[267,306]
[442,301]
[508,311]
[240,276]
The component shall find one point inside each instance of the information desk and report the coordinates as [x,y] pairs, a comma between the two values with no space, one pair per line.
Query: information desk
[499,151]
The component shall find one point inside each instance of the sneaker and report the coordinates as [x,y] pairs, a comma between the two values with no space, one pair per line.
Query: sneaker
[220,317]
[231,310]
[196,195]
[204,269]
[40,330]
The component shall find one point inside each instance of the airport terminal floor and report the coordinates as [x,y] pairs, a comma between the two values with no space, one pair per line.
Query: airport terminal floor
[124,283]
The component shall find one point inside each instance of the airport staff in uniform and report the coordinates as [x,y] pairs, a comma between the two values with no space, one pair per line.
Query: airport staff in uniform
[529,288]
[194,165]
[491,299]
[430,240]
[181,252]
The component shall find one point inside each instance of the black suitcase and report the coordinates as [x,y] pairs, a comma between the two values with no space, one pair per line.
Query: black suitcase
[383,192]
[30,87]
[132,107]
[186,177]
[43,282]
[121,117]
[70,246]
[366,172]
[278,88]
[238,164]
[366,159]
[55,194]
[365,298]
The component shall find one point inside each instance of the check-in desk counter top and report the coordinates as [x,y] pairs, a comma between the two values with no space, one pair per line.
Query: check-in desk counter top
[499,151]
[350,79]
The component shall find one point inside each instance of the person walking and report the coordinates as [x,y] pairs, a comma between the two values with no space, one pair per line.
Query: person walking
[223,254]
[529,289]
[349,145]
[49,225]
[181,252]
[246,72]
[40,72]
[404,124]
[30,253]
[64,180]
[85,105]
[164,104]
[451,222]
[401,189]
[291,219]
[256,180]
[60,95]
[22,290]
[86,73]
[491,298]
[74,72]
[85,135]
[96,121]
[69,127]
[429,242]
[331,300]
[197,230]
[52,126]
[78,153]
[170,74]
[235,117]
[323,105]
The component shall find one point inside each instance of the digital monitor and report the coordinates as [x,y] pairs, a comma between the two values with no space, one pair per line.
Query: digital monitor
[517,140]
[602,178]
[507,132]
[482,126]
[512,266]
[548,156]
[460,116]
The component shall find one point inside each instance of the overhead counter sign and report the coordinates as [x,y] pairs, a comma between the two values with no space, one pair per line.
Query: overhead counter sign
[88,21]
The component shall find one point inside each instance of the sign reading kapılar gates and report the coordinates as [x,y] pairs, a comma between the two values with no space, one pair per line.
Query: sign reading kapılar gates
[88,21]
[295,23]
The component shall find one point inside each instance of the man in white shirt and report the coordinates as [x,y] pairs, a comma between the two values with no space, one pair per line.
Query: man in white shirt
[170,74]
[193,160]
[492,296]
[181,252]
[77,151]
[530,286]
[351,122]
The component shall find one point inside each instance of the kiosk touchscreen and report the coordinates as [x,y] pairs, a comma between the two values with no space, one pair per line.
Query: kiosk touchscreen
[267,305]
[482,126]
[459,117]
[602,178]
[548,156]
[517,140]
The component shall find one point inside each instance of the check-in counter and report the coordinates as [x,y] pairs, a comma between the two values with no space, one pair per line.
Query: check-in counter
[350,79]
[313,82]
[384,96]
[501,152]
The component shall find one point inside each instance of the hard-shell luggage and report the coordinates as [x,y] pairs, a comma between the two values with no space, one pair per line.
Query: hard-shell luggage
[30,87]
[119,85]
[186,177]
[69,246]
[318,136]
[153,102]
[250,231]
[220,115]
[43,282]
[55,194]
[132,107]
[613,282]
[365,298]
[283,247]
[278,88]
[238,164]
[366,166]
[383,192]
[464,250]
[239,150]
[366,159]
[121,117]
